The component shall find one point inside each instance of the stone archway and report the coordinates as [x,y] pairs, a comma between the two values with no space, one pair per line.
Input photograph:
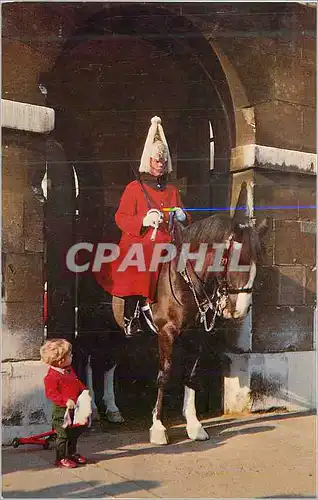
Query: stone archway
[116,72]
[127,63]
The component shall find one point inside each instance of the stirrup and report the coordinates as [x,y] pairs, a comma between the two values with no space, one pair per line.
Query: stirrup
[131,327]
[147,314]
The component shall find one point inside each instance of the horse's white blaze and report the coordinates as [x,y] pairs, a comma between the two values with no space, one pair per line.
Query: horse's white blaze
[252,275]
[244,300]
[194,427]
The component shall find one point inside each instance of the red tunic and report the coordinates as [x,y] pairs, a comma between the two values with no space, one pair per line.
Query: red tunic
[59,387]
[129,216]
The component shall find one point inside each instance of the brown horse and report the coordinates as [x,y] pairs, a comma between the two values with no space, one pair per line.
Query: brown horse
[186,291]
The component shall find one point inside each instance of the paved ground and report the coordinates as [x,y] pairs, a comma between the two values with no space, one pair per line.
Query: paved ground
[258,456]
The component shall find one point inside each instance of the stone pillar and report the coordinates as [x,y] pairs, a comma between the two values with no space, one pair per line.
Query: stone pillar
[275,365]
[22,252]
[24,403]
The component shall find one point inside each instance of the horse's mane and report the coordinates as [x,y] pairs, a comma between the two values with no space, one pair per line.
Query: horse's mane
[214,229]
[218,228]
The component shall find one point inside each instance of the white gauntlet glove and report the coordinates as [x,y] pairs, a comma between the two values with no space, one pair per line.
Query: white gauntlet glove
[180,214]
[152,218]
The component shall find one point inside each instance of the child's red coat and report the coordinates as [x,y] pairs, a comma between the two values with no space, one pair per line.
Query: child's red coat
[59,387]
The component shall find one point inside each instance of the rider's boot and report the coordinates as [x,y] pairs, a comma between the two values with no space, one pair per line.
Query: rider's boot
[147,313]
[131,316]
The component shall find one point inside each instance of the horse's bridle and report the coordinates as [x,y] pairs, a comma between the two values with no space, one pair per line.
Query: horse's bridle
[223,283]
[220,293]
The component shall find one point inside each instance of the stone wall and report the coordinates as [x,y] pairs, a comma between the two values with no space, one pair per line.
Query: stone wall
[268,56]
[278,338]
[22,248]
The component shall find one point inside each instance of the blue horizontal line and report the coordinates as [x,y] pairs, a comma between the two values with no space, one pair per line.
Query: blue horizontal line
[244,208]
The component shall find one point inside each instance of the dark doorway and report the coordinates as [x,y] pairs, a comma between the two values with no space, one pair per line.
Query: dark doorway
[125,65]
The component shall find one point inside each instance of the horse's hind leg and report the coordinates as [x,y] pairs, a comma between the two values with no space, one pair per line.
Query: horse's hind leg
[195,429]
[103,387]
[112,412]
[158,432]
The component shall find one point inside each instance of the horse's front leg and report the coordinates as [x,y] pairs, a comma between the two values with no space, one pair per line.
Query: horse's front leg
[158,432]
[195,429]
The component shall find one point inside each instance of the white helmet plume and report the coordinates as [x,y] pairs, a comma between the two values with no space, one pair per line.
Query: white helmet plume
[155,133]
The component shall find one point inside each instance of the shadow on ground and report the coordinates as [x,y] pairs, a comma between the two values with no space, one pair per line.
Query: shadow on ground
[84,489]
[179,444]
[120,443]
[290,496]
[255,418]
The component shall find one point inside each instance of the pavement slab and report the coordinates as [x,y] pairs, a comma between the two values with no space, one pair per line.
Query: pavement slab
[254,456]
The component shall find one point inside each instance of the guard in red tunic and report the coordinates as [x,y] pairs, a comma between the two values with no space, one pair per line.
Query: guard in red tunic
[142,221]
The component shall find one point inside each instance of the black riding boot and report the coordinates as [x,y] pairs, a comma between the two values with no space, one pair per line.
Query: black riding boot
[131,316]
[147,314]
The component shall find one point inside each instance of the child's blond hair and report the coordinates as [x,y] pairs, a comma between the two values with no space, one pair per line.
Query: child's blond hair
[54,351]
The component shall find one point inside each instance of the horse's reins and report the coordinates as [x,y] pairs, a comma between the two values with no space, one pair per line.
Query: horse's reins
[207,303]
[221,290]
[171,231]
[224,286]
[223,283]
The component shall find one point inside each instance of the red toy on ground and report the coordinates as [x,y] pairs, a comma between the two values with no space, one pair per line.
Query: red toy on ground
[43,439]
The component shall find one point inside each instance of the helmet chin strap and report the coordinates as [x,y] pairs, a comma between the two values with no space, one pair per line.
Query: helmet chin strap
[159,178]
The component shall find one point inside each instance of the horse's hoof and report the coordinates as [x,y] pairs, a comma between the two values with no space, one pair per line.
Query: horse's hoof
[158,436]
[197,433]
[115,417]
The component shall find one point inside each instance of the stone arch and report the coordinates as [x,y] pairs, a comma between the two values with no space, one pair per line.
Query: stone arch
[192,90]
[173,30]
[243,112]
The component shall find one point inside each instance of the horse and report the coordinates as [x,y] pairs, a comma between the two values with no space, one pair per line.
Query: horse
[188,292]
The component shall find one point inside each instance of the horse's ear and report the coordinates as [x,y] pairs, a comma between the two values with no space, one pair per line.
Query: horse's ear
[241,214]
[263,227]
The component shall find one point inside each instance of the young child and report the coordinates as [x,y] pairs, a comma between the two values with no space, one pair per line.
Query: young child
[62,387]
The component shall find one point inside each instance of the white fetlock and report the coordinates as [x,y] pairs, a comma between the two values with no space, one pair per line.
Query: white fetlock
[115,417]
[158,434]
[197,432]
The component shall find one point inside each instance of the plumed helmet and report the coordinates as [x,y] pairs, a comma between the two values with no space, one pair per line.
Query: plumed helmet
[155,146]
